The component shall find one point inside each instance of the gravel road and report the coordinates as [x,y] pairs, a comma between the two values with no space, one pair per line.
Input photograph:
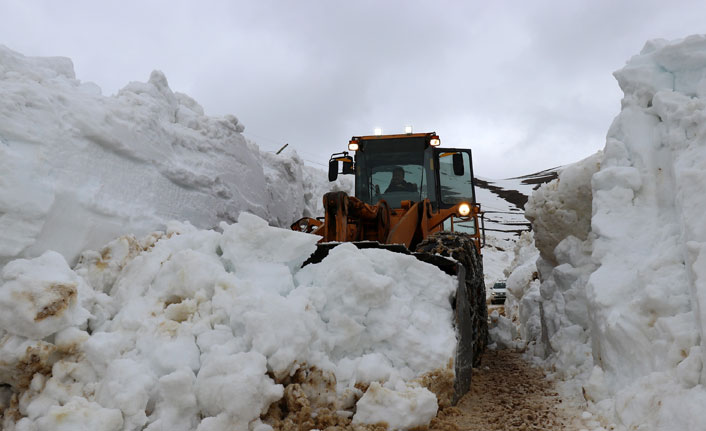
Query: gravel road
[507,393]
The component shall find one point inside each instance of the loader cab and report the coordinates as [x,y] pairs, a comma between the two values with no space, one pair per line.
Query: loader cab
[406,188]
[442,175]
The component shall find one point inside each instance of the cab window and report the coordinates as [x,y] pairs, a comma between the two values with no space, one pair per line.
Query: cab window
[396,183]
[455,188]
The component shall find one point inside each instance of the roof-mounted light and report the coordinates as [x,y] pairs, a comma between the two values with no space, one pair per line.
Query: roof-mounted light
[353,145]
[378,131]
[434,141]
[408,130]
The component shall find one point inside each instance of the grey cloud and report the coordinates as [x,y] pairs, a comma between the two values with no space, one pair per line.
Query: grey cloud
[528,85]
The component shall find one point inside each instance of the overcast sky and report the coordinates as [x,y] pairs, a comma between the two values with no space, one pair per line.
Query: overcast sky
[527,85]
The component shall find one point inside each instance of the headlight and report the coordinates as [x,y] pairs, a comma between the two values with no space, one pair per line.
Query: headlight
[353,146]
[464,209]
[435,141]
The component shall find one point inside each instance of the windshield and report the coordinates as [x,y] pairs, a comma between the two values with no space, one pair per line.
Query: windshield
[392,170]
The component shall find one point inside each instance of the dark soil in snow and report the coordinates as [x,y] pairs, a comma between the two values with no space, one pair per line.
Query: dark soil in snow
[513,196]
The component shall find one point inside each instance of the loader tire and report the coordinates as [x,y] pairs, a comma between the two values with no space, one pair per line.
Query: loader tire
[460,247]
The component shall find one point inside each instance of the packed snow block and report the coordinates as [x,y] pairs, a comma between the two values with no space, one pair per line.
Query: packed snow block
[35,68]
[287,176]
[503,332]
[251,239]
[523,288]
[664,65]
[562,207]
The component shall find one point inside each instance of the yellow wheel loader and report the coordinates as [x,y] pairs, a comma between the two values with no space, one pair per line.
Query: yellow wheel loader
[414,197]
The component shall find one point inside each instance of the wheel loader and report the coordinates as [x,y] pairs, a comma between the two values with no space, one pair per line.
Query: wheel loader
[414,197]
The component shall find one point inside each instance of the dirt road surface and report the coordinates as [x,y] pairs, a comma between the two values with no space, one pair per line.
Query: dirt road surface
[507,393]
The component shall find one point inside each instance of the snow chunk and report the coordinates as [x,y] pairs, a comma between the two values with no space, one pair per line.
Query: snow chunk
[402,409]
[80,415]
[41,296]
[251,239]
[236,386]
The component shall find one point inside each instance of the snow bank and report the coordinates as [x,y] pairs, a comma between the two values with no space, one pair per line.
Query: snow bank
[79,169]
[196,329]
[623,297]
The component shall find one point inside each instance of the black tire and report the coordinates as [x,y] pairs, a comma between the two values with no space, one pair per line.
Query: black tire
[461,247]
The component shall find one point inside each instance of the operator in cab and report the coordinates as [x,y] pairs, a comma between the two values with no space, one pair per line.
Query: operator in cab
[398,183]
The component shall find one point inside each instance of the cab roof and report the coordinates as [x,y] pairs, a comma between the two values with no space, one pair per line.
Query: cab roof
[397,136]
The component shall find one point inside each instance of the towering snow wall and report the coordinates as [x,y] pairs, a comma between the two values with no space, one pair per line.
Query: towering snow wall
[79,168]
[622,240]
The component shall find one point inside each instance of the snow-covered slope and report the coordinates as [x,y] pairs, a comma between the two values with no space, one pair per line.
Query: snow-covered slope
[503,203]
[79,168]
[622,240]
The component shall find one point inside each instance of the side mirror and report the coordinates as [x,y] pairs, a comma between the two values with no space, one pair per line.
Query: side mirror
[457,164]
[332,170]
[348,168]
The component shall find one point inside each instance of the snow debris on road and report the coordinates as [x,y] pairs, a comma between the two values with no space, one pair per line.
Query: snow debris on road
[623,244]
[79,168]
[194,329]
